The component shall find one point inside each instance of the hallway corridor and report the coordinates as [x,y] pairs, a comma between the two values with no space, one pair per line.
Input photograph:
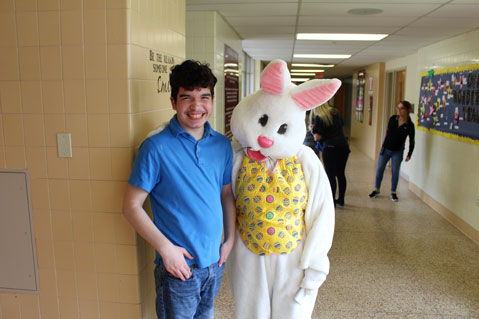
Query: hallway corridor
[391,260]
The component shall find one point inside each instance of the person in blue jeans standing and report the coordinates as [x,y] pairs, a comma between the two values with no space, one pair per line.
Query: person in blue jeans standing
[400,127]
[185,169]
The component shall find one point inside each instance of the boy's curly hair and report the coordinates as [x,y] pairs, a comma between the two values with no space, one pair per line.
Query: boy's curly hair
[189,75]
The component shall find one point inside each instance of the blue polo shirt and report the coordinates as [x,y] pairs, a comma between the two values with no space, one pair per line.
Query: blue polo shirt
[184,178]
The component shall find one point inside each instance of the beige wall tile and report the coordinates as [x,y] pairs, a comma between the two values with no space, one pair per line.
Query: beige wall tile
[34,130]
[94,4]
[48,284]
[79,164]
[120,130]
[127,260]
[59,194]
[25,5]
[40,196]
[54,123]
[49,307]
[80,195]
[2,143]
[102,196]
[95,62]
[70,4]
[51,63]
[87,285]
[13,129]
[72,27]
[118,96]
[52,96]
[108,287]
[116,25]
[31,97]
[118,4]
[30,306]
[8,37]
[118,61]
[82,227]
[11,97]
[62,226]
[121,163]
[74,96]
[104,228]
[129,292]
[100,163]
[15,156]
[27,28]
[36,157]
[66,283]
[97,96]
[68,307]
[89,309]
[29,61]
[49,27]
[73,62]
[9,64]
[84,257]
[109,310]
[125,234]
[43,224]
[98,130]
[130,311]
[64,258]
[105,258]
[57,167]
[10,305]
[48,5]
[118,189]
[95,26]
[45,255]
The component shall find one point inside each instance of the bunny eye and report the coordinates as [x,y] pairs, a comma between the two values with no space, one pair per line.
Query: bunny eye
[263,120]
[282,129]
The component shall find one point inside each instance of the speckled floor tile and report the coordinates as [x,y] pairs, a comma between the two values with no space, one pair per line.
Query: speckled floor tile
[391,260]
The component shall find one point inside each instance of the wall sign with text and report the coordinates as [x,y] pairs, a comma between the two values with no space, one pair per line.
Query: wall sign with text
[161,64]
[449,103]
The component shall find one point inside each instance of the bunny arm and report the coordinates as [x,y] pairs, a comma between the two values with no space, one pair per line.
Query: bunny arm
[319,220]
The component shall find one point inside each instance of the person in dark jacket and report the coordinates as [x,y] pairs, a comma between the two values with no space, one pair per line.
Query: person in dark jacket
[400,127]
[328,130]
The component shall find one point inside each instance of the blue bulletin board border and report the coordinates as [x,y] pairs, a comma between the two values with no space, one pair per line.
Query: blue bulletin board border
[447,98]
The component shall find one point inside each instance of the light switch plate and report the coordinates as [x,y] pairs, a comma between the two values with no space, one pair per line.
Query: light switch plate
[64,141]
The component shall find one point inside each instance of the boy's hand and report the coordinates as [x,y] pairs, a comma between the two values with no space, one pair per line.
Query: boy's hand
[225,251]
[174,261]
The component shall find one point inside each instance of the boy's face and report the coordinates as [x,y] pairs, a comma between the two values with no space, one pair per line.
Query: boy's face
[193,108]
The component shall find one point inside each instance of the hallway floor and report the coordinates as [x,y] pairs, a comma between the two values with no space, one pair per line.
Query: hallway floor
[391,260]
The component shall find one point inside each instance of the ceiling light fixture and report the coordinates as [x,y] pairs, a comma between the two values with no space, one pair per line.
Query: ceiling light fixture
[313,65]
[340,36]
[302,74]
[308,70]
[299,79]
[322,56]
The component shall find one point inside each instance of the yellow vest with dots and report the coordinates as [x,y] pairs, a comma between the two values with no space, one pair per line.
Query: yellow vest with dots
[271,207]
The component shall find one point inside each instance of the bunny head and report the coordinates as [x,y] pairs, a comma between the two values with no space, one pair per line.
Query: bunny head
[270,122]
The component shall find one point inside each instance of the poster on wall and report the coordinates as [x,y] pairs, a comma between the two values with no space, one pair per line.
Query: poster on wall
[360,96]
[371,94]
[231,73]
[449,103]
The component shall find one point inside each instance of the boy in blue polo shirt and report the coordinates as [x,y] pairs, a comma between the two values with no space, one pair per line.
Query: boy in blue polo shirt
[186,171]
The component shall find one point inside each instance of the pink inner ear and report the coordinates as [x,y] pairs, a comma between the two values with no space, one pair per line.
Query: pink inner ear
[316,96]
[272,79]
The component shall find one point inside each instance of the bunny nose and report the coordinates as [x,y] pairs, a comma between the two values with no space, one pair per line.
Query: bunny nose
[264,142]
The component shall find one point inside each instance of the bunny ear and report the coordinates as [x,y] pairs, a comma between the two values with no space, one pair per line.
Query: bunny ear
[275,77]
[315,92]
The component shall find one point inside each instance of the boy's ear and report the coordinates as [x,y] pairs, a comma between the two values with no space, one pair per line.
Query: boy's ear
[314,92]
[173,104]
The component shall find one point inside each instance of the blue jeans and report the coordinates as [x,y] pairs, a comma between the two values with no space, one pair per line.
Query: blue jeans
[192,298]
[396,158]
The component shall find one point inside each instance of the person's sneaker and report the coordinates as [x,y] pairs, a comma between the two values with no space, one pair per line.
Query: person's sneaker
[339,202]
[394,197]
[373,194]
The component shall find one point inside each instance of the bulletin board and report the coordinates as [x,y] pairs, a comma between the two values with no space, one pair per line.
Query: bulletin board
[449,103]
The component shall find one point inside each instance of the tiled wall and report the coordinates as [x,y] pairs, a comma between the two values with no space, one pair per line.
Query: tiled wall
[81,67]
[207,34]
